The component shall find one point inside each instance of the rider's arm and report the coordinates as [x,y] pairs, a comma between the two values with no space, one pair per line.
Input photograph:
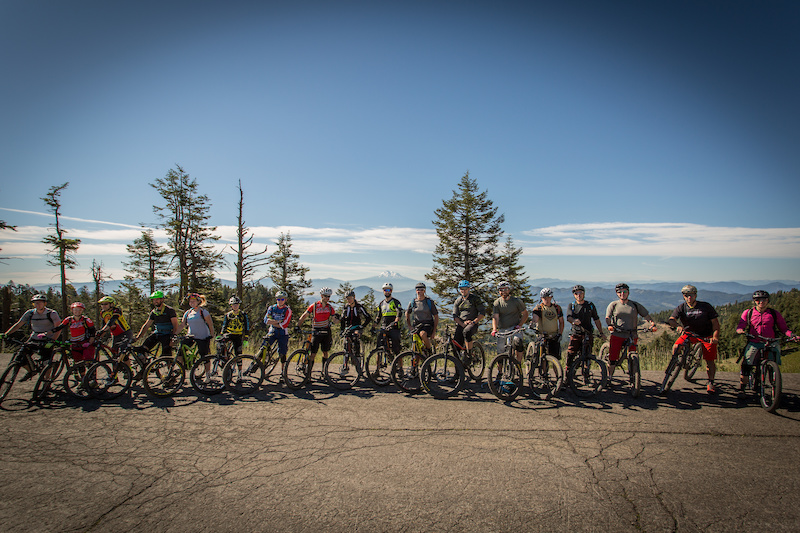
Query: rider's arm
[435,324]
[600,328]
[716,326]
[209,323]
[560,325]
[144,327]
[652,322]
[495,321]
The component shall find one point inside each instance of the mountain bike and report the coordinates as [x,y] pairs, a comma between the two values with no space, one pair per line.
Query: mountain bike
[297,370]
[686,358]
[378,365]
[442,375]
[587,374]
[505,372]
[113,376]
[47,369]
[207,373]
[245,373]
[165,375]
[75,372]
[764,377]
[406,366]
[342,369]
[474,359]
[628,358]
[545,373]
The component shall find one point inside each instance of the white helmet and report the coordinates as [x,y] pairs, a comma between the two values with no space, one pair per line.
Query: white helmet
[546,292]
[387,285]
[325,291]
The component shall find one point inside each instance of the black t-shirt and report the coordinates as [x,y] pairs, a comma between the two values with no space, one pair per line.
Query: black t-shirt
[696,319]
[586,312]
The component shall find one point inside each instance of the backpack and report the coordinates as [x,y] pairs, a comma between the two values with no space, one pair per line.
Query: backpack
[772,312]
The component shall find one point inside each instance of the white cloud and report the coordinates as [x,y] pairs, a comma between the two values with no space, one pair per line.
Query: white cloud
[662,240]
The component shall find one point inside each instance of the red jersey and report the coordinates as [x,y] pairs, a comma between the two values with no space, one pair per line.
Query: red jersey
[80,329]
[321,314]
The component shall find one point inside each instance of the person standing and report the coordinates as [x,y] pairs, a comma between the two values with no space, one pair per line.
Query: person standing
[165,323]
[422,313]
[236,324]
[468,313]
[622,318]
[322,316]
[388,317]
[581,314]
[509,313]
[548,318]
[277,319]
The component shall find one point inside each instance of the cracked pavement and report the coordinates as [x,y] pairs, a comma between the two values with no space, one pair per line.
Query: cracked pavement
[379,460]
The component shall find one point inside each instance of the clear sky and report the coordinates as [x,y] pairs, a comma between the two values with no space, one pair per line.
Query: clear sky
[622,140]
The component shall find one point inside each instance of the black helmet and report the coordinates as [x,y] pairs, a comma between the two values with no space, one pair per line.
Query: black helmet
[761,294]
[419,285]
[350,293]
[622,287]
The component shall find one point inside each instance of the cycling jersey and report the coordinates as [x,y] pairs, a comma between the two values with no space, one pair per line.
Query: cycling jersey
[626,315]
[422,311]
[388,311]
[696,319]
[282,314]
[766,324]
[586,312]
[321,315]
[118,323]
[236,323]
[468,308]
[162,320]
[352,316]
[548,317]
[43,322]
[80,329]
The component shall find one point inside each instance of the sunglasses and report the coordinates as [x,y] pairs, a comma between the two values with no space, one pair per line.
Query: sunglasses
[280,299]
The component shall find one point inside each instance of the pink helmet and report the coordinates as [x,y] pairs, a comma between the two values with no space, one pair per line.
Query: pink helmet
[77,304]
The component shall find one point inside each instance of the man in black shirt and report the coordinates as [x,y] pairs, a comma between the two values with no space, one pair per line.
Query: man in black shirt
[701,319]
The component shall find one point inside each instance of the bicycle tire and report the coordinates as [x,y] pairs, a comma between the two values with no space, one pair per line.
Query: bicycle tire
[297,370]
[442,375]
[406,372]
[605,348]
[243,374]
[270,361]
[587,376]
[163,377]
[206,375]
[45,380]
[73,379]
[546,379]
[505,377]
[342,370]
[103,353]
[694,360]
[634,375]
[379,367]
[8,379]
[107,380]
[771,385]
[476,362]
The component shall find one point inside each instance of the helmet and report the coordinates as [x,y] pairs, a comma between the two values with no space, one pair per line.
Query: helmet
[234,300]
[350,293]
[195,295]
[77,304]
[503,285]
[281,294]
[689,289]
[107,300]
[761,294]
[464,284]
[577,288]
[39,298]
[387,286]
[325,291]
[546,293]
[419,285]
[622,287]
[156,294]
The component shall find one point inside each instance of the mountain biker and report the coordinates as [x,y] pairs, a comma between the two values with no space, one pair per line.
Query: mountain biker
[625,313]
[581,313]
[468,313]
[764,321]
[509,313]
[388,317]
[278,318]
[548,318]
[42,321]
[81,332]
[114,322]
[701,319]
[165,321]
[198,321]
[236,324]
[422,311]
[354,314]
[322,316]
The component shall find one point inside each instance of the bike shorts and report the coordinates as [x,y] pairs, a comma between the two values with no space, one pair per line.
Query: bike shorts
[164,340]
[752,350]
[203,345]
[709,348]
[517,343]
[79,353]
[615,347]
[427,327]
[236,341]
[121,341]
[575,346]
[322,339]
[282,339]
[463,333]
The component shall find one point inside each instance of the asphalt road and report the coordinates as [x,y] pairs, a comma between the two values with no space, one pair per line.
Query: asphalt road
[379,460]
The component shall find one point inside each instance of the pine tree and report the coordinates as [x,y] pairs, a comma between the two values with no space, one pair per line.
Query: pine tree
[62,249]
[287,274]
[148,262]
[511,271]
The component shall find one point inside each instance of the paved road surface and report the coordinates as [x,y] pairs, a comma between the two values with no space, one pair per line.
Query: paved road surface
[382,461]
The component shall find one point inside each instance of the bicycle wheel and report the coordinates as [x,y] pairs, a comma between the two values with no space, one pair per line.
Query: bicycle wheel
[243,374]
[46,379]
[442,375]
[163,377]
[770,387]
[206,375]
[8,379]
[103,353]
[546,378]
[587,376]
[405,372]
[476,362]
[342,370]
[73,379]
[269,360]
[693,361]
[505,377]
[634,375]
[106,380]
[670,374]
[379,367]
[297,370]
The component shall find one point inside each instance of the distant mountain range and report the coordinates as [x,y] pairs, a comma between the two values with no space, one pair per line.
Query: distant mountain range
[654,295]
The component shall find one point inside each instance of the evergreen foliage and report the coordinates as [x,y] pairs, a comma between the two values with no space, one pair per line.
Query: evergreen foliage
[62,249]
[287,274]
[149,262]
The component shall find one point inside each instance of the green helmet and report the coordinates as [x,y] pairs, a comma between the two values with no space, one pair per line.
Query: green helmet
[107,300]
[157,294]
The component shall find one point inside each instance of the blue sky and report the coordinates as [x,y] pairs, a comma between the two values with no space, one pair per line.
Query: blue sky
[622,140]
